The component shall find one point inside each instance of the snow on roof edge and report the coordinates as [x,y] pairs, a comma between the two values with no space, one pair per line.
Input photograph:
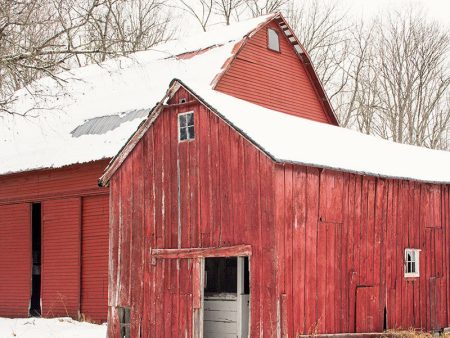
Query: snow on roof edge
[279,159]
[176,83]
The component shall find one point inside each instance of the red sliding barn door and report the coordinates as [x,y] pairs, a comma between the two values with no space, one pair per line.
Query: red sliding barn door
[94,258]
[15,259]
[61,257]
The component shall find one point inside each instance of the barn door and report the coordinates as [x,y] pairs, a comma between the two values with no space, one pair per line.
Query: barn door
[369,315]
[60,274]
[15,259]
[226,297]
[175,294]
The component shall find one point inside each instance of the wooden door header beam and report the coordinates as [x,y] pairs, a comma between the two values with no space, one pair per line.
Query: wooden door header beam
[229,251]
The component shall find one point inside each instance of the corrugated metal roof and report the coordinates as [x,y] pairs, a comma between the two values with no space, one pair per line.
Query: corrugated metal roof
[103,124]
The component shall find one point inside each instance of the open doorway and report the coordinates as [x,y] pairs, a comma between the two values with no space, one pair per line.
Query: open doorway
[226,300]
[35,303]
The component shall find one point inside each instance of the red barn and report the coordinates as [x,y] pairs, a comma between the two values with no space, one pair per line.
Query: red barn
[54,243]
[233,214]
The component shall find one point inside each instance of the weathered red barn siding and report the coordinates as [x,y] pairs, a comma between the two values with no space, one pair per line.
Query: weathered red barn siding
[15,260]
[327,246]
[72,203]
[94,257]
[225,199]
[341,241]
[276,80]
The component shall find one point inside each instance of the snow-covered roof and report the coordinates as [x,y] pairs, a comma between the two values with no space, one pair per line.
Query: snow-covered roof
[98,97]
[292,139]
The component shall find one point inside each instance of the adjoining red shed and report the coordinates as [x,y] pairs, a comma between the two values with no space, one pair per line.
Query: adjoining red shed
[231,219]
[48,222]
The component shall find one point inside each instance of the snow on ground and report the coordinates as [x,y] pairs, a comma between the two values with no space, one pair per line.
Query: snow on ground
[49,328]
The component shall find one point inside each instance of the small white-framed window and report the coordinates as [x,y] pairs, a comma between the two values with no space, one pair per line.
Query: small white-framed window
[186,130]
[273,40]
[412,266]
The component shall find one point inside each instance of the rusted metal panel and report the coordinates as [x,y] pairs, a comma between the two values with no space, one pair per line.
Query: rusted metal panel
[61,257]
[15,259]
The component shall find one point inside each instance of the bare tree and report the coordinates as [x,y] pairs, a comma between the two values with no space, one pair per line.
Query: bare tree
[322,31]
[200,10]
[127,26]
[413,79]
[226,9]
[41,38]
[262,7]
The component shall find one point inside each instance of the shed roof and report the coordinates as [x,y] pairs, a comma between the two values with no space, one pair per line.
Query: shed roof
[291,139]
[95,113]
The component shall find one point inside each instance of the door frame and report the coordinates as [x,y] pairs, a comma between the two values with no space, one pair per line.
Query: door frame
[198,255]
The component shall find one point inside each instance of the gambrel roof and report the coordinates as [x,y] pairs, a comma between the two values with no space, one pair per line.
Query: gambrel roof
[94,113]
[290,139]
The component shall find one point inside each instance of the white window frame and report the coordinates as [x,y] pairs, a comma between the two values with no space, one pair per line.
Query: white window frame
[416,262]
[269,30]
[187,128]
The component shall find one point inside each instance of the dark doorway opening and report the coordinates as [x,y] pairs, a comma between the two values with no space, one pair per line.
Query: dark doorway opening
[226,297]
[36,220]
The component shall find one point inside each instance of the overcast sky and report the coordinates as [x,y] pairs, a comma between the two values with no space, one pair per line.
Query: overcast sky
[437,9]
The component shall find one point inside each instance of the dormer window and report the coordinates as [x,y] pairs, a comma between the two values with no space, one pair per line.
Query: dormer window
[186,130]
[273,40]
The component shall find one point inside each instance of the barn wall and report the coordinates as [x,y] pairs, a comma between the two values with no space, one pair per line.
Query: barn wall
[275,80]
[79,179]
[94,257]
[74,242]
[15,260]
[225,199]
[341,241]
[61,257]
[327,246]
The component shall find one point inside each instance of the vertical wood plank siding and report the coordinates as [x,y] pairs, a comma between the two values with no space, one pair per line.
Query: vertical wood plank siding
[225,200]
[94,258]
[359,227]
[15,260]
[61,231]
[327,246]
[275,80]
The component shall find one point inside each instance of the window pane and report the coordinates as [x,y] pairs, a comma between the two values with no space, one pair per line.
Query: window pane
[413,267]
[274,43]
[182,120]
[183,135]
[191,132]
[190,119]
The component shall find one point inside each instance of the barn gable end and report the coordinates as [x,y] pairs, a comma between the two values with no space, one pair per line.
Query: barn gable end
[188,194]
[283,81]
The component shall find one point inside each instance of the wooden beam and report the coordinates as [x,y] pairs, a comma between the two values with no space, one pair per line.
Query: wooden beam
[230,251]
